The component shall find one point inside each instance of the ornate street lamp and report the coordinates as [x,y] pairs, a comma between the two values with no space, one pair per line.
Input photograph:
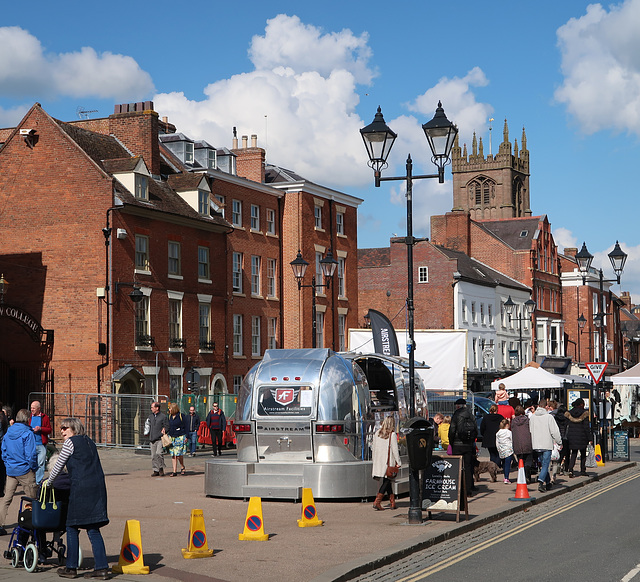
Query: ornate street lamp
[328,266]
[378,140]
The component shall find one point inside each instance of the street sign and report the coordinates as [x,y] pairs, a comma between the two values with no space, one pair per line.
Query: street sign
[596,369]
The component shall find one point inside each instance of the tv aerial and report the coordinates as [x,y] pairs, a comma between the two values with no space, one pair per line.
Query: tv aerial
[83,113]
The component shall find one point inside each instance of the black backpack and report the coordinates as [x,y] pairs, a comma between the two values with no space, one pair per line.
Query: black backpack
[467,429]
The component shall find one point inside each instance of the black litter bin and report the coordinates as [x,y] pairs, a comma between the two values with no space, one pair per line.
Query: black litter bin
[419,442]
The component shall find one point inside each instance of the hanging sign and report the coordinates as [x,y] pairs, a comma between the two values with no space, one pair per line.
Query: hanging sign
[596,369]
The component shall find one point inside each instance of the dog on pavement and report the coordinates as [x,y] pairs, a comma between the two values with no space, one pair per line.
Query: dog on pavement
[485,467]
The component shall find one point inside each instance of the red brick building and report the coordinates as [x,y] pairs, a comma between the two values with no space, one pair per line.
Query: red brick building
[97,210]
[589,342]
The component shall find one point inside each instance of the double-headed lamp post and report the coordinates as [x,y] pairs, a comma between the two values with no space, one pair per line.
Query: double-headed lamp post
[378,139]
[618,259]
[328,266]
[529,306]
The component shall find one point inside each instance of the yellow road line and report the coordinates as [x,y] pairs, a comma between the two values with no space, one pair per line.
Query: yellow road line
[484,545]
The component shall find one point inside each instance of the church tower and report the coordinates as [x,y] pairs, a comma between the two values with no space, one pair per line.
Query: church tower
[495,186]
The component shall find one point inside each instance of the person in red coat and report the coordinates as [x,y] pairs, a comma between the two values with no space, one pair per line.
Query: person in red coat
[216,423]
[41,426]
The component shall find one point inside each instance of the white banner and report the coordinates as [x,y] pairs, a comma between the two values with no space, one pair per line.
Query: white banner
[443,350]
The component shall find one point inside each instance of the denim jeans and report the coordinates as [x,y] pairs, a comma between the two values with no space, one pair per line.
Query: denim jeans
[193,441]
[42,461]
[545,459]
[97,545]
[507,465]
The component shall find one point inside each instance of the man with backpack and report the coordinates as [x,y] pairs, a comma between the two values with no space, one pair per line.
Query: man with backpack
[462,437]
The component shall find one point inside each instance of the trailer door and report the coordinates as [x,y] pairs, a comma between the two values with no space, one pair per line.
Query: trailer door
[283,423]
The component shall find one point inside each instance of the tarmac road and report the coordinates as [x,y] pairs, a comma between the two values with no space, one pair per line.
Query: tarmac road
[354,539]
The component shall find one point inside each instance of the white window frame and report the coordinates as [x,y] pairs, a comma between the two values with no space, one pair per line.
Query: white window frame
[465,315]
[203,202]
[272,333]
[142,253]
[341,277]
[204,270]
[272,274]
[175,320]
[204,324]
[423,274]
[237,334]
[342,332]
[256,275]
[340,223]
[236,270]
[317,216]
[319,329]
[141,186]
[271,220]
[255,217]
[188,152]
[255,335]
[474,315]
[236,213]
[174,266]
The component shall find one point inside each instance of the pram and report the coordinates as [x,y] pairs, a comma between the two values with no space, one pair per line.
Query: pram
[28,544]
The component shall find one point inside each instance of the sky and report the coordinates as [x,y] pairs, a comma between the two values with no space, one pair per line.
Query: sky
[305,77]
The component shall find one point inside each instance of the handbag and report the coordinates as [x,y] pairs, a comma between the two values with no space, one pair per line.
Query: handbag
[555,452]
[391,472]
[46,512]
[166,440]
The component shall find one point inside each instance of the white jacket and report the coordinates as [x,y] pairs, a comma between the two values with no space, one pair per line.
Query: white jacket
[544,430]
[380,452]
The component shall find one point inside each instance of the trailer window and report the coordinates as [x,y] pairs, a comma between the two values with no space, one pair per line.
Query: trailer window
[285,401]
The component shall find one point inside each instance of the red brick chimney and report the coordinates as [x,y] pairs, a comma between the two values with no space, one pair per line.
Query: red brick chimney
[250,161]
[570,252]
[452,231]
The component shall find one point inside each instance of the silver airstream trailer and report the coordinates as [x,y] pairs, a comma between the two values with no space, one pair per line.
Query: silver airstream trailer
[304,418]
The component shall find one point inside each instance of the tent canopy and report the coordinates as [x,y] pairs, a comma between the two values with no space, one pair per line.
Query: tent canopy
[630,377]
[529,378]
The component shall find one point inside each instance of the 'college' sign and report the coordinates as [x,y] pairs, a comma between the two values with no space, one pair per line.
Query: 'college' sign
[24,319]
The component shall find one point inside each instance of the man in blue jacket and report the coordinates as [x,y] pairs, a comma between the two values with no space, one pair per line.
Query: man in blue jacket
[20,457]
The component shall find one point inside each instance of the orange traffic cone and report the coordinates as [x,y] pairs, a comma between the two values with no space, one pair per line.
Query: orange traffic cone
[522,492]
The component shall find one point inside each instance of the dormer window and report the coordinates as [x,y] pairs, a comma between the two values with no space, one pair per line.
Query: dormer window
[141,187]
[188,153]
[203,202]
[211,159]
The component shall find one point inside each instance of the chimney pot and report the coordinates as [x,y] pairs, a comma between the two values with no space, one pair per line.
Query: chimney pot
[245,139]
[254,141]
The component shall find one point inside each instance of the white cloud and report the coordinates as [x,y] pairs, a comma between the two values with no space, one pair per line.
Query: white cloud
[564,238]
[300,101]
[27,71]
[601,68]
[289,43]
[8,116]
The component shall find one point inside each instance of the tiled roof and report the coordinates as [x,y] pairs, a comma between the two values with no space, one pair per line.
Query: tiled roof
[97,146]
[516,232]
[111,156]
[374,257]
[477,272]
[277,175]
[187,181]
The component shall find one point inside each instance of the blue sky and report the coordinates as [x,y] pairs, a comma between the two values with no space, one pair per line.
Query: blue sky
[306,76]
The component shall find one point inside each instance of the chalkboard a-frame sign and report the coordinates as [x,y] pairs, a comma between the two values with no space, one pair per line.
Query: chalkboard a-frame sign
[443,484]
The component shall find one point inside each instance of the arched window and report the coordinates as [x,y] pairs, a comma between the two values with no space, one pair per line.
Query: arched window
[481,191]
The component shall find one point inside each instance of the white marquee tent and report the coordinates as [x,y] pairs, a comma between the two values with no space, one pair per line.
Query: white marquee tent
[629,377]
[529,378]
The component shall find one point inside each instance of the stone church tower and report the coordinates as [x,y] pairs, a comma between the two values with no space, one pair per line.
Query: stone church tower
[494,187]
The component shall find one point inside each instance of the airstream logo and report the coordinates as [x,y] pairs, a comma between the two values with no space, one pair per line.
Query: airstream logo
[283,428]
[384,336]
[284,396]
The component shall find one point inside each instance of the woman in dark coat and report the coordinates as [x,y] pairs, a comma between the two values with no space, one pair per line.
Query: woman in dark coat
[521,437]
[489,427]
[562,421]
[578,435]
[87,498]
